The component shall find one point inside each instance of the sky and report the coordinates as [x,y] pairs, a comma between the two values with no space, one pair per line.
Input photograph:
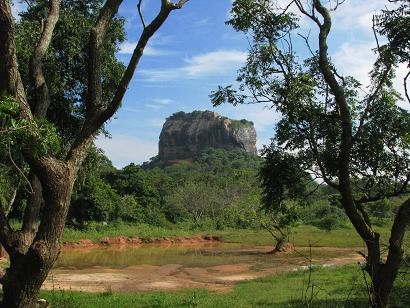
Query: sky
[195,51]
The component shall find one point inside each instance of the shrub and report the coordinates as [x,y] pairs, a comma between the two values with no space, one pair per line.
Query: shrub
[324,216]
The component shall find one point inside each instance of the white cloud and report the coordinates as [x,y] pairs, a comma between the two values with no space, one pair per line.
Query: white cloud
[357,14]
[163,101]
[123,149]
[153,106]
[158,103]
[398,84]
[128,48]
[152,49]
[213,63]
[355,59]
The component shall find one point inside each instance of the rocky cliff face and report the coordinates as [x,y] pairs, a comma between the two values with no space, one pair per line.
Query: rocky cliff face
[185,135]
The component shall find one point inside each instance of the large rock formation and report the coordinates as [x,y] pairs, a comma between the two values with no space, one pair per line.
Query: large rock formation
[185,135]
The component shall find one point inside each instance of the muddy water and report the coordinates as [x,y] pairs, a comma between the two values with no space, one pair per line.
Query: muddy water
[215,266]
[200,255]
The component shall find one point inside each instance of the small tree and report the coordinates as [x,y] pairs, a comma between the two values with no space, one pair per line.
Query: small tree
[283,183]
[33,250]
[356,144]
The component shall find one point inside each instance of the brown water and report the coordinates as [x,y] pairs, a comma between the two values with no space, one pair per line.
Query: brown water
[215,266]
[200,255]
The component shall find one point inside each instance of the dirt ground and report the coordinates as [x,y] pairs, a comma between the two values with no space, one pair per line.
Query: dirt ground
[178,276]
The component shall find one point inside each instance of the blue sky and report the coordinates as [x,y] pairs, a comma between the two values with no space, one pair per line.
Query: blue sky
[194,52]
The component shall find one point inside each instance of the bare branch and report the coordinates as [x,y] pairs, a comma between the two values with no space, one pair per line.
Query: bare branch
[147,33]
[338,2]
[18,169]
[41,94]
[370,99]
[375,33]
[306,39]
[405,86]
[179,4]
[304,12]
[140,13]
[97,112]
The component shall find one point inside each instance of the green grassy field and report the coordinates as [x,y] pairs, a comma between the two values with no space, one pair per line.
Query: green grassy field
[301,236]
[339,287]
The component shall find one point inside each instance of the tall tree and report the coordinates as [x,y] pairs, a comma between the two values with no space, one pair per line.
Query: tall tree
[356,144]
[33,250]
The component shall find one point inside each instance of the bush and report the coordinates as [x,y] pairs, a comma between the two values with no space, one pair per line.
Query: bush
[380,210]
[324,216]
[96,200]
[129,210]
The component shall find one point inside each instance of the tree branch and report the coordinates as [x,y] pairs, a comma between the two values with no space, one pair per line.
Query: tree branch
[6,232]
[10,81]
[97,114]
[41,93]
[400,225]
[304,12]
[97,35]
[352,212]
[405,86]
[140,13]
[147,33]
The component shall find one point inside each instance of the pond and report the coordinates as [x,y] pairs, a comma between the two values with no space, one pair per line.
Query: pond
[216,266]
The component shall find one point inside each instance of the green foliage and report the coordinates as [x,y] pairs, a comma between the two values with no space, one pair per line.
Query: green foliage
[95,200]
[324,216]
[67,60]
[393,25]
[281,177]
[308,137]
[218,190]
[64,65]
[128,210]
[381,210]
[238,124]
[37,136]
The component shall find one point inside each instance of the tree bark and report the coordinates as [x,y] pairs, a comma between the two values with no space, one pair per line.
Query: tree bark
[28,270]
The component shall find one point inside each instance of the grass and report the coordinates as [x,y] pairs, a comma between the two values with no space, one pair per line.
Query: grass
[301,236]
[339,287]
[96,232]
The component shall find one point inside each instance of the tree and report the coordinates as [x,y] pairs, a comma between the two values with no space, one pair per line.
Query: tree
[357,144]
[33,250]
[283,185]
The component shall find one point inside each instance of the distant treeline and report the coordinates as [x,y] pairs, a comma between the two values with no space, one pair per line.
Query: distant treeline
[218,189]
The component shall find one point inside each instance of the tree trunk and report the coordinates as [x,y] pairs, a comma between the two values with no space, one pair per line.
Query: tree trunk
[23,280]
[383,285]
[384,275]
[280,243]
[29,268]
